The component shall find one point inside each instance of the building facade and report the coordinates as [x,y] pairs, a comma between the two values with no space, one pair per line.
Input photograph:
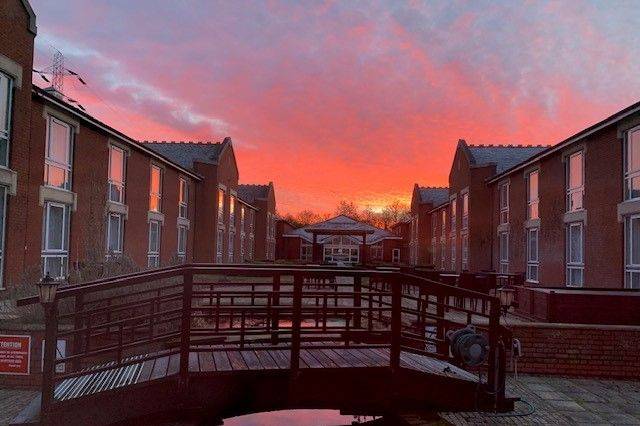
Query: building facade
[76,194]
[263,197]
[423,200]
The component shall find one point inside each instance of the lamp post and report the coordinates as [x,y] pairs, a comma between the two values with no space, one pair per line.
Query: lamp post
[47,289]
[506,295]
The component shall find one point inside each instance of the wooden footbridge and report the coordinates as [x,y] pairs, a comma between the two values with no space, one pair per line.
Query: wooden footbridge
[211,342]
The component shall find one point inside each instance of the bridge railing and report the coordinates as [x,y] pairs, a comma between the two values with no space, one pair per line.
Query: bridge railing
[177,312]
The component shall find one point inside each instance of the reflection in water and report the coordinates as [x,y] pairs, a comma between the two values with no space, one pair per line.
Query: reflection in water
[300,418]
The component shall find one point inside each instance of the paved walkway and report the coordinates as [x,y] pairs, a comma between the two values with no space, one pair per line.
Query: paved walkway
[12,401]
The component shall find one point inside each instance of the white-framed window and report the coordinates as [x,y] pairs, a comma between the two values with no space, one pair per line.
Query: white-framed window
[504,202]
[375,251]
[55,240]
[251,246]
[632,251]
[532,195]
[232,211]
[532,254]
[575,181]
[220,205]
[155,235]
[183,198]
[434,250]
[395,255]
[454,213]
[6,102]
[242,221]
[465,210]
[242,248]
[115,233]
[155,189]
[503,241]
[443,216]
[230,247]
[58,154]
[117,167]
[453,252]
[182,243]
[464,237]
[632,164]
[219,245]
[575,255]
[3,220]
[443,255]
[306,252]
[434,224]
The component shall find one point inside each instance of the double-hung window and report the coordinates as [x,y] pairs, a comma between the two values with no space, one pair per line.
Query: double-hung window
[503,240]
[443,249]
[632,252]
[532,254]
[575,254]
[115,232]
[6,93]
[504,203]
[153,255]
[55,240]
[532,195]
[230,247]
[575,181]
[453,252]
[232,211]
[3,212]
[464,237]
[117,167]
[444,222]
[155,189]
[219,245]
[454,214]
[220,205]
[465,210]
[632,164]
[183,200]
[182,243]
[57,162]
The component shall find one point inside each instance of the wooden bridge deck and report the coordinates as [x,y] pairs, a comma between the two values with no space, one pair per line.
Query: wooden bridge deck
[249,359]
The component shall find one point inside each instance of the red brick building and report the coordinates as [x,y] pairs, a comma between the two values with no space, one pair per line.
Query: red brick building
[423,200]
[76,192]
[344,241]
[263,197]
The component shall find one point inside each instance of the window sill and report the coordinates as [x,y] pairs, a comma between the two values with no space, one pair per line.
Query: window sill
[9,178]
[628,207]
[575,216]
[183,221]
[532,223]
[118,208]
[58,195]
[503,227]
[157,216]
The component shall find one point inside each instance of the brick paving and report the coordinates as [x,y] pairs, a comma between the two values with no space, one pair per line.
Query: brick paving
[12,401]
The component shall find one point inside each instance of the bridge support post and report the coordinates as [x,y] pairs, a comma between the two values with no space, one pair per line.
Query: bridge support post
[295,322]
[357,301]
[49,366]
[493,367]
[396,322]
[185,329]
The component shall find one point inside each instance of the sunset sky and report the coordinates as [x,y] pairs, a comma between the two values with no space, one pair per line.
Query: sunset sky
[346,100]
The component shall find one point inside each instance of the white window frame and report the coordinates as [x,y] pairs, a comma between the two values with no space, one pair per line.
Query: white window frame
[114,182]
[63,252]
[454,249]
[221,196]
[465,210]
[181,250]
[443,217]
[4,191]
[578,189]
[5,133]
[232,211]
[631,269]
[629,175]
[395,255]
[153,253]
[219,245]
[533,264]
[231,247]
[530,200]
[157,194]
[306,252]
[574,265]
[443,253]
[503,251]
[67,167]
[464,242]
[453,206]
[120,248]
[183,198]
[503,190]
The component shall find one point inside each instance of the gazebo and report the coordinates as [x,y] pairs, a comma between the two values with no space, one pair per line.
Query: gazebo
[339,228]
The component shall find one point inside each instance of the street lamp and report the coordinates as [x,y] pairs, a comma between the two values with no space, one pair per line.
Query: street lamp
[47,288]
[506,296]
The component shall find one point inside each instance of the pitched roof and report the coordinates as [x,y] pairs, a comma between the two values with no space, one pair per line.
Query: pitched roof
[186,153]
[502,156]
[343,223]
[250,192]
[434,195]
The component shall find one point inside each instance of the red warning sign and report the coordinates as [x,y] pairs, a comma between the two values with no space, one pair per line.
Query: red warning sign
[15,354]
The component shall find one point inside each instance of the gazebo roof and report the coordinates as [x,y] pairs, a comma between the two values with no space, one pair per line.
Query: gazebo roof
[342,225]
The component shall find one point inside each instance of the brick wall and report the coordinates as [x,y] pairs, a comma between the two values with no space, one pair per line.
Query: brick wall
[576,350]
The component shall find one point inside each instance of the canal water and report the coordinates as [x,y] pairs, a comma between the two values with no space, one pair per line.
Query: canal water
[303,418]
